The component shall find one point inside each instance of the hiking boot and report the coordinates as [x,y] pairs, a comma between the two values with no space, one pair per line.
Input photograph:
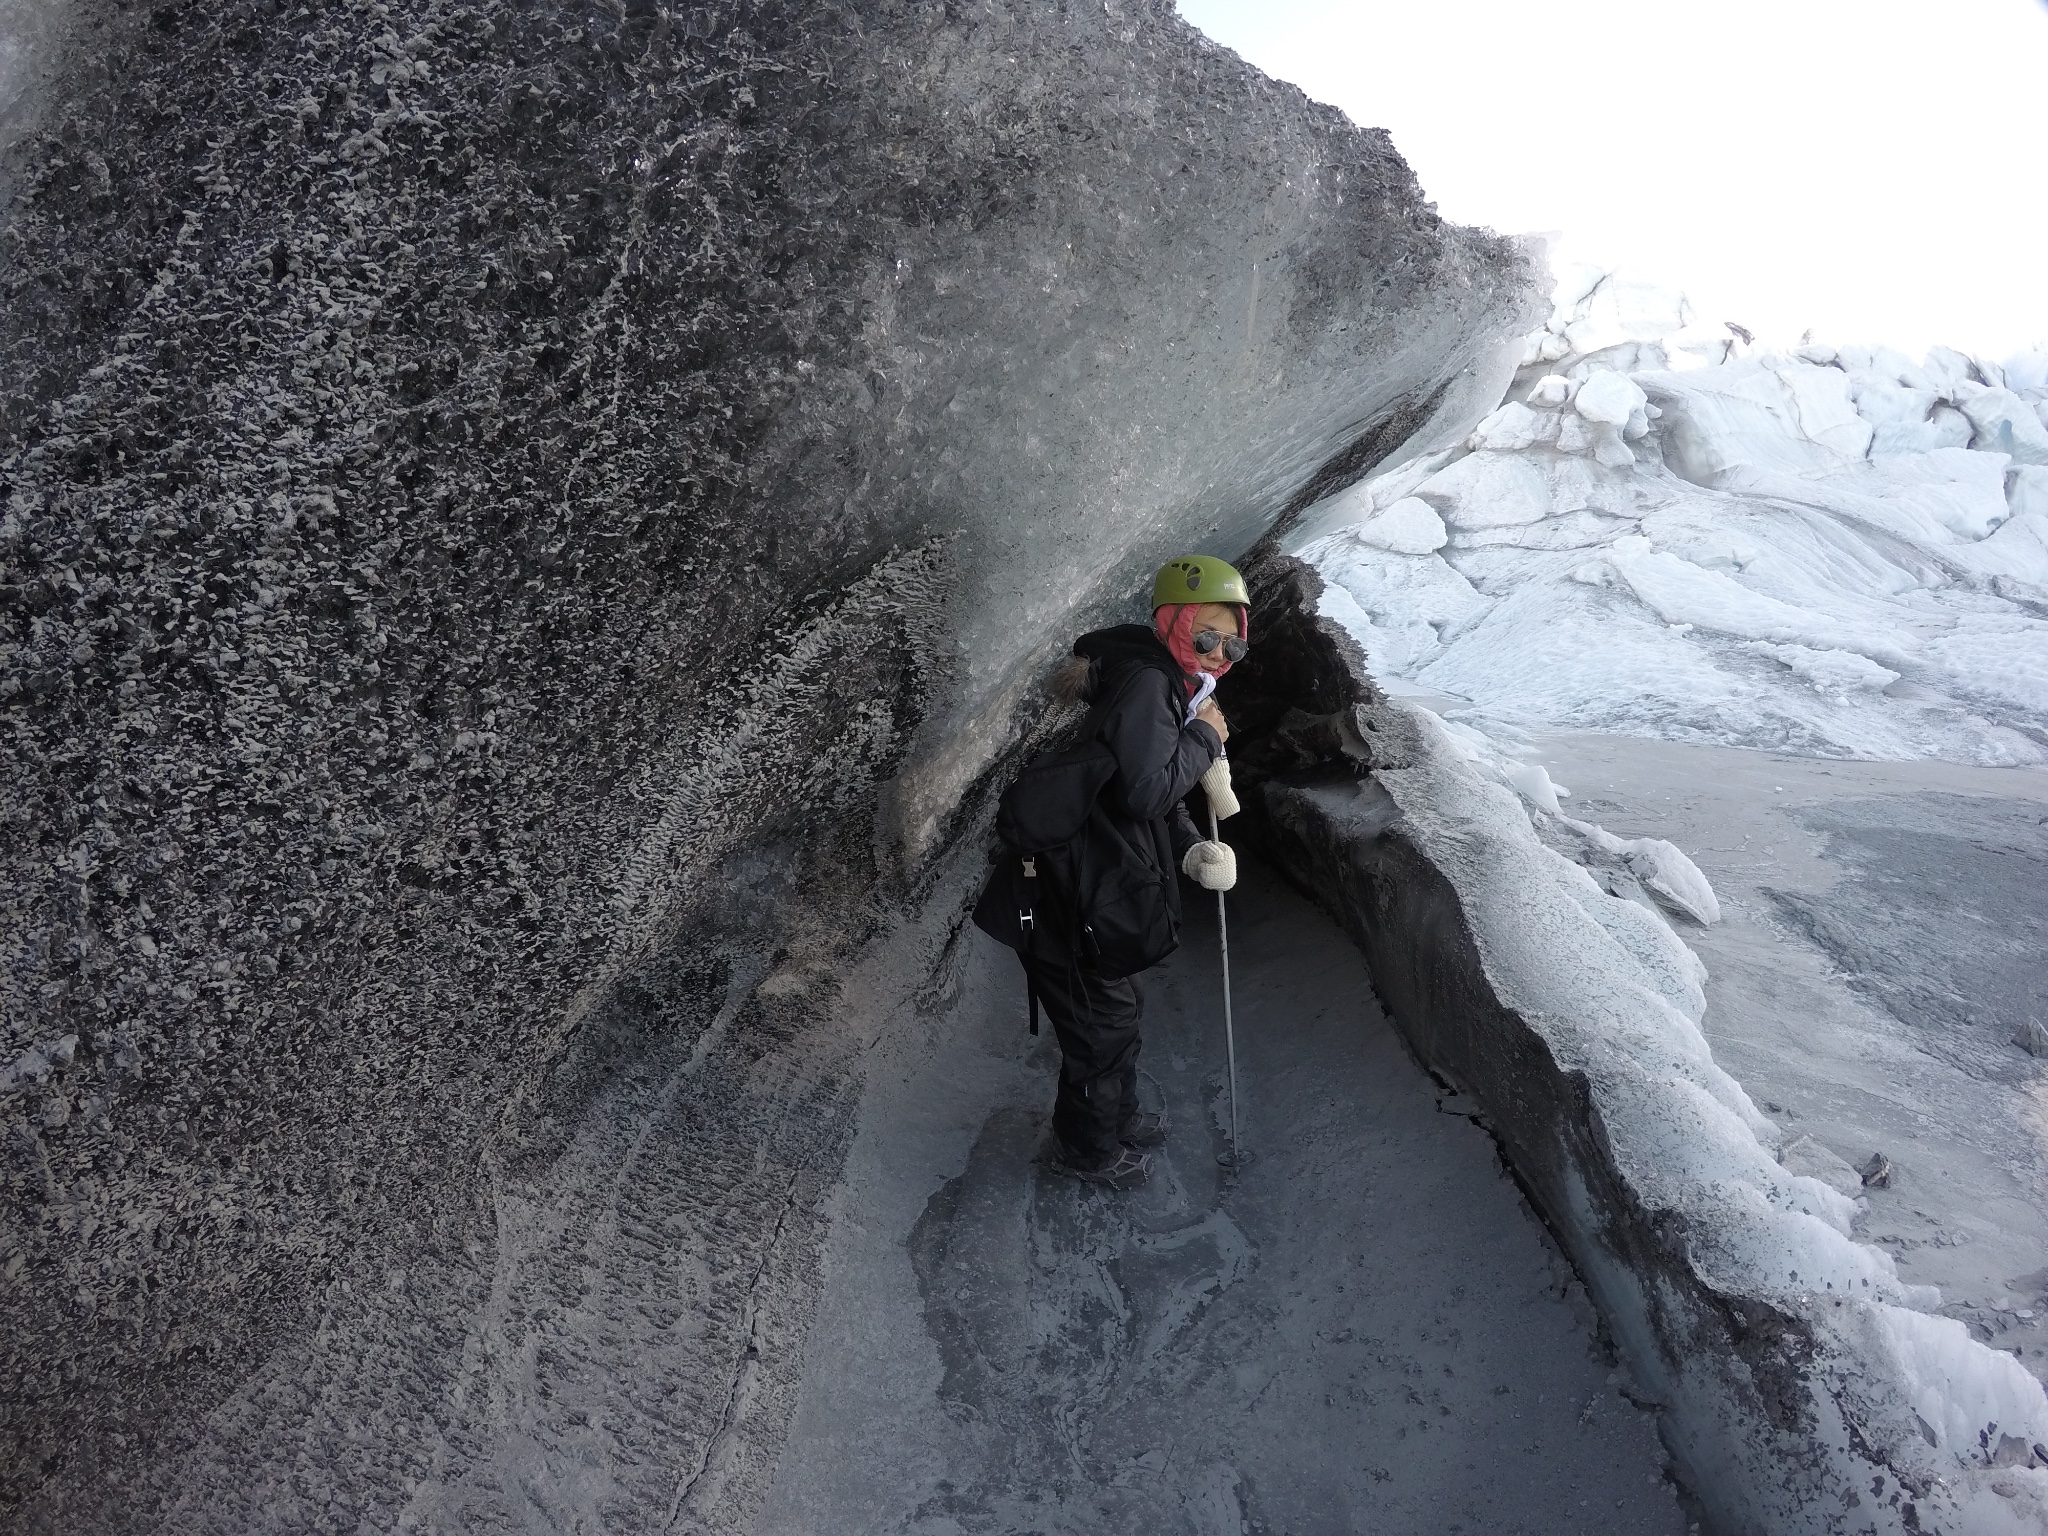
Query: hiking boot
[1143,1129]
[1127,1170]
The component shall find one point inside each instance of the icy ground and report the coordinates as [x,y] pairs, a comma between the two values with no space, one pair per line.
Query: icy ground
[1369,1332]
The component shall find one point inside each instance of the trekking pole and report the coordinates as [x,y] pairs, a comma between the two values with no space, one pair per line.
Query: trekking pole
[1217,784]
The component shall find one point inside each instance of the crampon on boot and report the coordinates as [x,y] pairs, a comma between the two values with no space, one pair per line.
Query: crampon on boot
[1127,1170]
[1143,1129]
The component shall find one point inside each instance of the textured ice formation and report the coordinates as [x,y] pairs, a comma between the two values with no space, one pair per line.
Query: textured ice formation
[1647,870]
[1836,550]
[527,534]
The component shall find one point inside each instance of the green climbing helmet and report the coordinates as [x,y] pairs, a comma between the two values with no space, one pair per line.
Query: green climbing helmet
[1198,579]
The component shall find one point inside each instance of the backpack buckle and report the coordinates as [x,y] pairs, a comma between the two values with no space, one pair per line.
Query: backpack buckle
[1030,868]
[1024,920]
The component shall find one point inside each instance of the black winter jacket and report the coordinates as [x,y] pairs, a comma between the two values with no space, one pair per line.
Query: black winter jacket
[1159,758]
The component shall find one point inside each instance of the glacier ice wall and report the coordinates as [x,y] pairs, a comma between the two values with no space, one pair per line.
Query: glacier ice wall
[526,529]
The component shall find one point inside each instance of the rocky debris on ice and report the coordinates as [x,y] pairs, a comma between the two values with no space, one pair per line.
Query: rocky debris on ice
[2032,1037]
[1808,1158]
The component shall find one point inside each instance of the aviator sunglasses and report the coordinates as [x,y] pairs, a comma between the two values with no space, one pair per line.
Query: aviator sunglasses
[1234,649]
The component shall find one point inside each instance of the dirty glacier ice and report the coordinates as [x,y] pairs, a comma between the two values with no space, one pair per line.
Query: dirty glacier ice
[512,527]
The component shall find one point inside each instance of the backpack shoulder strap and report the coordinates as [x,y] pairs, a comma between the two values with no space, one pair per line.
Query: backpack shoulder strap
[1050,801]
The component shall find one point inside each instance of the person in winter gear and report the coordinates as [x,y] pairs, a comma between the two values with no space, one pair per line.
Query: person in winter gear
[1165,731]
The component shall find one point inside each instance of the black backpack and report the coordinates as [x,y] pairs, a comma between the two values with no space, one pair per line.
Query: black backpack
[1070,882]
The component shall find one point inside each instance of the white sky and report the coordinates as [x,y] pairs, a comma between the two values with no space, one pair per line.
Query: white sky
[1874,169]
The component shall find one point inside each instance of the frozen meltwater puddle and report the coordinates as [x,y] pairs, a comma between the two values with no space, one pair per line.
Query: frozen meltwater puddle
[1369,1331]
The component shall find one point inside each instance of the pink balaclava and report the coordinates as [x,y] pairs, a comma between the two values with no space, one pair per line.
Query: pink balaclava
[1175,624]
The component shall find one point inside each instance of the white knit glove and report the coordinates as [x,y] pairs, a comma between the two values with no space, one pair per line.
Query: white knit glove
[1211,865]
[1216,784]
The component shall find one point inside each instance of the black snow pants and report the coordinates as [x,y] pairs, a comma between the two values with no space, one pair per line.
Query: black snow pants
[1096,1022]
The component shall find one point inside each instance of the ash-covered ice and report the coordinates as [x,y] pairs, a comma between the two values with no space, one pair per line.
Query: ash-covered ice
[525,527]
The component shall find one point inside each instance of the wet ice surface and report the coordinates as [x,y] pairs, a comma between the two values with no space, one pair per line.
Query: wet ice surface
[1880,944]
[1369,1331]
